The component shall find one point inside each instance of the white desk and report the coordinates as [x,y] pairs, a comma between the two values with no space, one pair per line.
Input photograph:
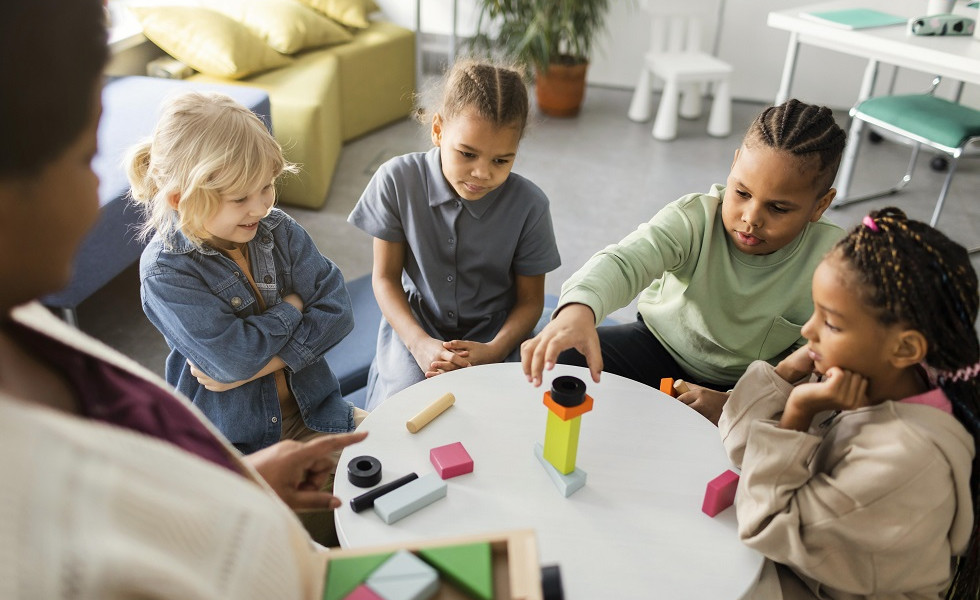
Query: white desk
[635,530]
[955,57]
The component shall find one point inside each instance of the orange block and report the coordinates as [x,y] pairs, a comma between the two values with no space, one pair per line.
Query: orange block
[568,412]
[667,386]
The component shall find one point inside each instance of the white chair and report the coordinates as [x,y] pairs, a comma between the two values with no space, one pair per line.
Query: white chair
[675,57]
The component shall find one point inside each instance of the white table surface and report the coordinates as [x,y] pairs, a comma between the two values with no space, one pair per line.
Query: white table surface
[953,56]
[635,530]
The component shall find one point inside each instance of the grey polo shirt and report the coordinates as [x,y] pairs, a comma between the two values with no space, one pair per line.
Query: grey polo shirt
[461,256]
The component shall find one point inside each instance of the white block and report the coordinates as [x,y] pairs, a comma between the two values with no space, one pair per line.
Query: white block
[410,497]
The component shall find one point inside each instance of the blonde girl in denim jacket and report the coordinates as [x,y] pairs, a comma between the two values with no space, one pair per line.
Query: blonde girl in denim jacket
[246,302]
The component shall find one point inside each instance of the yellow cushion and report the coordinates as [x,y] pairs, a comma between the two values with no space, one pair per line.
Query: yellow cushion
[353,13]
[207,41]
[285,25]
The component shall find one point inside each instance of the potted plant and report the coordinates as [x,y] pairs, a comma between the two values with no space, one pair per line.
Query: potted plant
[552,37]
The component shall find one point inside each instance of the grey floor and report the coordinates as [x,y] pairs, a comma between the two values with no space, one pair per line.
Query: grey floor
[604,175]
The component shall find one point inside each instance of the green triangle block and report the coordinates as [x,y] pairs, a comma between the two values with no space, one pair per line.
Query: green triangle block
[345,574]
[469,566]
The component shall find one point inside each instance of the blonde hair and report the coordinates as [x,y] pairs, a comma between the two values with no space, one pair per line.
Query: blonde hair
[205,146]
[496,92]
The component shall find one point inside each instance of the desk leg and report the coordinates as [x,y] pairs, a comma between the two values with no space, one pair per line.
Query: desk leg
[789,67]
[854,135]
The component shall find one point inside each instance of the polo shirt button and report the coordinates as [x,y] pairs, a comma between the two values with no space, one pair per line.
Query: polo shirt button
[275,419]
[236,302]
[268,279]
[452,241]
[449,278]
[452,315]
[458,204]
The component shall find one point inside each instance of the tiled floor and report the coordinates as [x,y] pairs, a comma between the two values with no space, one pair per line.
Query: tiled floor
[604,175]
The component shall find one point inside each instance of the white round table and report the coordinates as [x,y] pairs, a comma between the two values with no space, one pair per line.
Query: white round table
[635,530]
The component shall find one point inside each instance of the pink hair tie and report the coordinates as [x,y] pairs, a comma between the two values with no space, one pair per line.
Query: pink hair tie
[870,223]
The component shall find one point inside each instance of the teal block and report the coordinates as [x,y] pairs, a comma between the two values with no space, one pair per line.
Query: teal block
[410,497]
[566,484]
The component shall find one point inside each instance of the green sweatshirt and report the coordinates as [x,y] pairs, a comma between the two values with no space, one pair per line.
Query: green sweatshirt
[713,307]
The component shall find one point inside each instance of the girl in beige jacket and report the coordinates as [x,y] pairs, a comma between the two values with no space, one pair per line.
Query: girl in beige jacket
[858,451]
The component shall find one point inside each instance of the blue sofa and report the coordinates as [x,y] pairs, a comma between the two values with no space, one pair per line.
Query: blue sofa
[130,108]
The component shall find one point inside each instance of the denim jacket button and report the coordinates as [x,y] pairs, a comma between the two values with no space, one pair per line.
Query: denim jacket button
[275,419]
[268,279]
[266,239]
[236,302]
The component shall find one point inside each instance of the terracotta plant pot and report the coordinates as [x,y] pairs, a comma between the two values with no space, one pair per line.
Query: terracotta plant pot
[561,89]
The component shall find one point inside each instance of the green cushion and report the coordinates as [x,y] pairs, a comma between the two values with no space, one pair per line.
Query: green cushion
[935,119]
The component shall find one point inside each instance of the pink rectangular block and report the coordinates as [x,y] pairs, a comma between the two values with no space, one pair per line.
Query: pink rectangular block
[451,460]
[363,592]
[720,493]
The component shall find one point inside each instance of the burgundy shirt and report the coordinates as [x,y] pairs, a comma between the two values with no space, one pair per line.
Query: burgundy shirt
[112,395]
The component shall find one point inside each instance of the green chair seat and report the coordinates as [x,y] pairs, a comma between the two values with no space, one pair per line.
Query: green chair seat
[925,116]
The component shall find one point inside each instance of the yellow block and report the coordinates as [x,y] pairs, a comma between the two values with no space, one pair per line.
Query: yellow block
[561,442]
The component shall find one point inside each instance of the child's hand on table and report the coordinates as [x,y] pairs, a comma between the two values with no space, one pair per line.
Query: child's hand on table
[572,327]
[706,401]
[839,390]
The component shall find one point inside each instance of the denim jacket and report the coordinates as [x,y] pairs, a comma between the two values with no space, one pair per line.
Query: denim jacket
[206,310]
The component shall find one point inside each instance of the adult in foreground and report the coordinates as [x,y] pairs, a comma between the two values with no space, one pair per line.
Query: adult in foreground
[114,485]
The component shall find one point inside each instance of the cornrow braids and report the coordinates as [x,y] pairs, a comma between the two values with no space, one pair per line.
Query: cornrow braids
[804,130]
[497,93]
[914,275]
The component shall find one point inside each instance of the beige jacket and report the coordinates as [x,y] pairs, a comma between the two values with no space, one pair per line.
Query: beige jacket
[88,510]
[872,503]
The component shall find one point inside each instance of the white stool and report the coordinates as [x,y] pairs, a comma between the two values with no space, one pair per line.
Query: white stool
[676,58]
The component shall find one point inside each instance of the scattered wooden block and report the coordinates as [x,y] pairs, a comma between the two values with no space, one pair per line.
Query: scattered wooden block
[568,483]
[346,573]
[468,566]
[667,386]
[409,498]
[366,500]
[451,460]
[720,493]
[430,412]
[404,576]
[363,592]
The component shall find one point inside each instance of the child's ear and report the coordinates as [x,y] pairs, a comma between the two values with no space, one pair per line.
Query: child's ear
[436,129]
[174,200]
[910,348]
[823,203]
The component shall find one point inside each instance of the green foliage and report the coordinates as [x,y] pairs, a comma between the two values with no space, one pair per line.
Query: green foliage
[537,33]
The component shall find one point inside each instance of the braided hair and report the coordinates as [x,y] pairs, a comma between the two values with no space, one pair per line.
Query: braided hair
[914,275]
[496,93]
[805,131]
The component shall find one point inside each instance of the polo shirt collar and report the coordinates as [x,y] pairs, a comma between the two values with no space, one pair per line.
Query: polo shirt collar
[440,192]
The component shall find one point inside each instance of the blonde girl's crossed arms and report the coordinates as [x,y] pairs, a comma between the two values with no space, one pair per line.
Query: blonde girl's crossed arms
[241,293]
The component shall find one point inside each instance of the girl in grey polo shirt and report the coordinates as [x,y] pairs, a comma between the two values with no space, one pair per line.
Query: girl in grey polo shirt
[462,245]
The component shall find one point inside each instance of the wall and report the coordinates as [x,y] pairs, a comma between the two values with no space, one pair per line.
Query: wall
[755,50]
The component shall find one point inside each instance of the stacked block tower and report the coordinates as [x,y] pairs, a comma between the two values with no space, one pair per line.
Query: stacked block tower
[566,402]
